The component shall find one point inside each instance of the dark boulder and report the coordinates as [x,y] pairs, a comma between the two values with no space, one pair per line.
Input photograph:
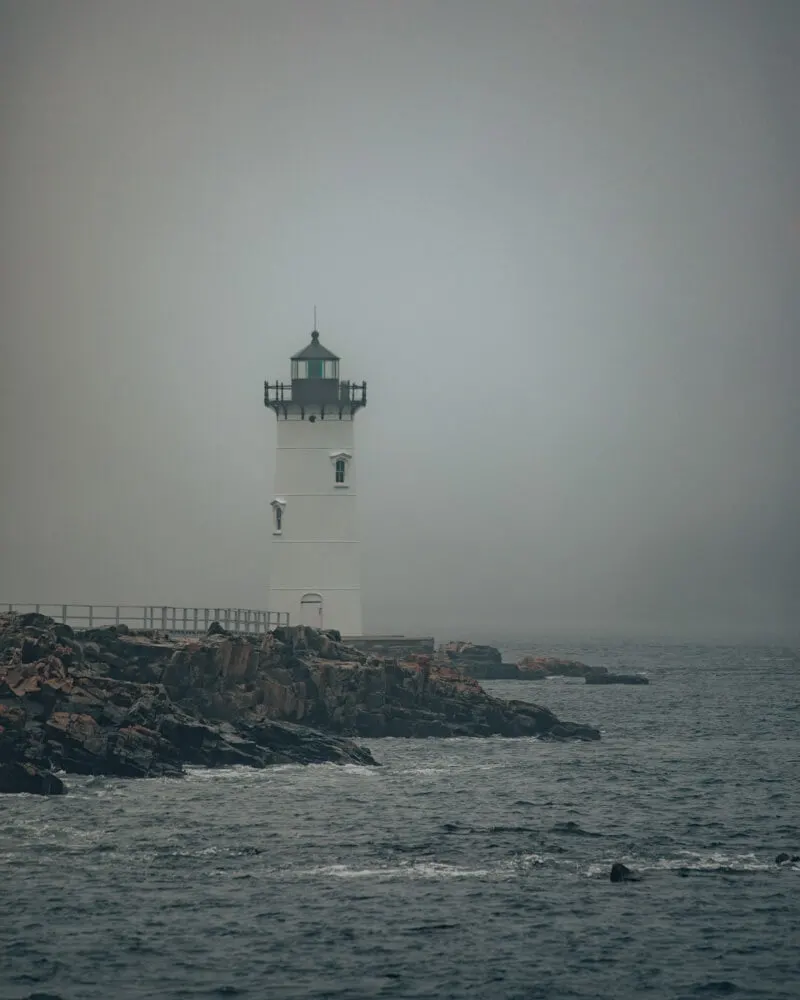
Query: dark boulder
[621,873]
[479,661]
[216,629]
[17,776]
[603,677]
[33,619]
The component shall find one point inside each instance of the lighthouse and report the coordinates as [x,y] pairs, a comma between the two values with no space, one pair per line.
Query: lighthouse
[315,572]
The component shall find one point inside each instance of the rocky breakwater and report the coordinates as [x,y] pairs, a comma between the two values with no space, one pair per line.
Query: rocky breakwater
[111,701]
[94,703]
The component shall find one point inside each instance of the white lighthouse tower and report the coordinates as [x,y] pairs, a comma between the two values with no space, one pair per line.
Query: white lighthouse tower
[315,572]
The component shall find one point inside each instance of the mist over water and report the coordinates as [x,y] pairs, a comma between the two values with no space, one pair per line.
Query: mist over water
[559,240]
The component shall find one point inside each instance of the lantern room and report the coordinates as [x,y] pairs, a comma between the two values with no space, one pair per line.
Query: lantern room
[315,361]
[315,392]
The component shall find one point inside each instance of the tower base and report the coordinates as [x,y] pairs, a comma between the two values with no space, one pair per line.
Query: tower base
[322,608]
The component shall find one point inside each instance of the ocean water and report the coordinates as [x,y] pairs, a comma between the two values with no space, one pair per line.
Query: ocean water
[459,869]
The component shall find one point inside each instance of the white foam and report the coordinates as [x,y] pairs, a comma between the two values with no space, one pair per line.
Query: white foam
[242,771]
[424,869]
[687,861]
[507,869]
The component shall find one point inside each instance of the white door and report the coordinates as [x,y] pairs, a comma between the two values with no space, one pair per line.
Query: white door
[311,610]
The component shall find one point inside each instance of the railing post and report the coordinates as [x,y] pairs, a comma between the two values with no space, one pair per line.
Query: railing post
[64,614]
[164,618]
[91,614]
[117,621]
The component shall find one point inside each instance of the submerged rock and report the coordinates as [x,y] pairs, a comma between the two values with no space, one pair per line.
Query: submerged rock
[787,859]
[621,873]
[601,677]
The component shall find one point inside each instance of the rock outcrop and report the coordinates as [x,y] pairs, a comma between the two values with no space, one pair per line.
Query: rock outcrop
[310,677]
[486,663]
[481,662]
[93,703]
[541,667]
[139,704]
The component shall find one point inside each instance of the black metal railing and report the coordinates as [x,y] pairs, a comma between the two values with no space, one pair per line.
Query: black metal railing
[310,392]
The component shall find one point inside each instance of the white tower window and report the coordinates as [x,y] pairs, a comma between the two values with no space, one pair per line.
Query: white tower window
[278,505]
[341,461]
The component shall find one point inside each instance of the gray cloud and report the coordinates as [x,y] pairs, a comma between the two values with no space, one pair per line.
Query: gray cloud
[559,239]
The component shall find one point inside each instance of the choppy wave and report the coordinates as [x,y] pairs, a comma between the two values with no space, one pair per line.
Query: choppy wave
[719,863]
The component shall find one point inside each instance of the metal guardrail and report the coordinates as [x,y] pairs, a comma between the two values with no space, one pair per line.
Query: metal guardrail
[307,391]
[180,621]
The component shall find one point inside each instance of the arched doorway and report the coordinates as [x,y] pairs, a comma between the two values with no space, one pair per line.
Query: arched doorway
[311,610]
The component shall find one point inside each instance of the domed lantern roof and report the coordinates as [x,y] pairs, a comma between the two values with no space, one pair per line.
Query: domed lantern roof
[315,361]
[315,351]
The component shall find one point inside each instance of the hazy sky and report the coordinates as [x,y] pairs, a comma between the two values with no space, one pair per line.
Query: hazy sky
[558,238]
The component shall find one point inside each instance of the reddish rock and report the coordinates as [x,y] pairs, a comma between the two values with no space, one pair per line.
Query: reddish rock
[139,704]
